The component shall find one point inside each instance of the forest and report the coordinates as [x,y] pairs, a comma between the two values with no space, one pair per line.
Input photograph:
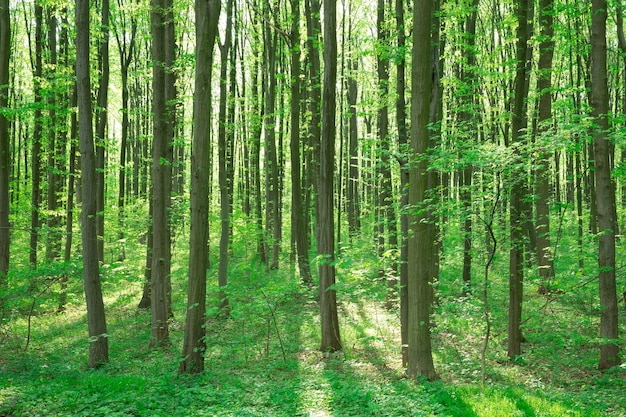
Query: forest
[312,208]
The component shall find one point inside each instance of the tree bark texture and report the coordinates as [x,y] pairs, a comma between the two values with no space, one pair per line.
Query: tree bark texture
[207,15]
[162,148]
[605,191]
[298,223]
[331,340]
[98,338]
[542,172]
[421,242]
[518,189]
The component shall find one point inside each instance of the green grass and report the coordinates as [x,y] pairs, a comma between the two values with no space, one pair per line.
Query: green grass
[247,374]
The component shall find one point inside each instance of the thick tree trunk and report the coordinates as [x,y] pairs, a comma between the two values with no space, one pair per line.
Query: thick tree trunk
[605,192]
[207,15]
[331,340]
[421,242]
[98,337]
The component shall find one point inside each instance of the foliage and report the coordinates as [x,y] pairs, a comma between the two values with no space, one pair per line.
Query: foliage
[263,360]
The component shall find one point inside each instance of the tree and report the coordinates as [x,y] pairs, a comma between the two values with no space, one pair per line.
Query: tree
[207,17]
[125,46]
[605,192]
[421,242]
[225,156]
[102,116]
[517,219]
[542,172]
[5,168]
[37,65]
[331,340]
[163,81]
[298,223]
[98,338]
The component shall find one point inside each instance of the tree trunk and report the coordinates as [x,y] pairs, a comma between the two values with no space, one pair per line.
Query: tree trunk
[421,242]
[404,180]
[35,164]
[542,171]
[102,115]
[161,21]
[331,340]
[518,188]
[605,193]
[126,47]
[224,146]
[5,167]
[98,337]
[207,16]
[272,207]
[298,224]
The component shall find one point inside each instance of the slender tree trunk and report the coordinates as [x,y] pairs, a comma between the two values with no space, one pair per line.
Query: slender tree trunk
[207,17]
[388,215]
[331,340]
[5,166]
[298,224]
[35,165]
[468,118]
[69,222]
[102,115]
[98,337]
[126,47]
[314,29]
[403,144]
[272,207]
[53,243]
[224,147]
[421,242]
[605,192]
[542,171]
[161,20]
[518,189]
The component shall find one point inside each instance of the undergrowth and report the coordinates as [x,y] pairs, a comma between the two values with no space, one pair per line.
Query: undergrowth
[263,360]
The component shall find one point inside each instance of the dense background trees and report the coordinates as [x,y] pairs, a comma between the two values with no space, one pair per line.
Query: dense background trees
[514,165]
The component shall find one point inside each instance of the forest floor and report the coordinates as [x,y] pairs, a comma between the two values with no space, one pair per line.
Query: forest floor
[264,361]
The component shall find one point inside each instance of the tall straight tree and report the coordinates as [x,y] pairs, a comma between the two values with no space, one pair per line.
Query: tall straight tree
[605,192]
[518,187]
[125,46]
[35,166]
[272,201]
[331,340]
[403,138]
[542,172]
[5,168]
[225,161]
[387,215]
[298,223]
[98,338]
[421,242]
[102,116]
[207,17]
[162,26]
